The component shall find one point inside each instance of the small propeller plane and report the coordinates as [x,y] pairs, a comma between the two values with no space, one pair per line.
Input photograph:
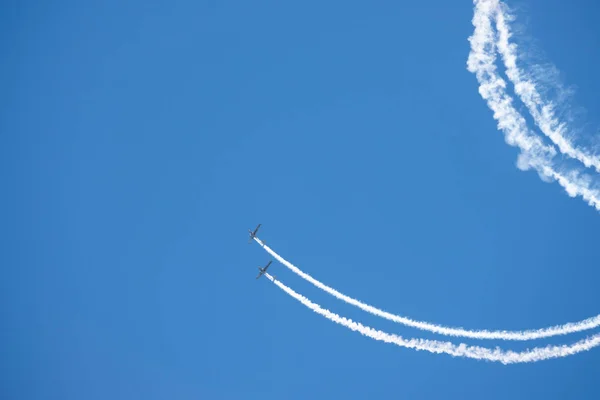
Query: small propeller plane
[263,270]
[253,234]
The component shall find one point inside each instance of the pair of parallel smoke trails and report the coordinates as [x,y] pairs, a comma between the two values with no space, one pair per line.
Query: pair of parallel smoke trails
[439,347]
[485,44]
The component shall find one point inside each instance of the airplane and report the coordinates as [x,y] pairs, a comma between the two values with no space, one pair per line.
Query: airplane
[263,270]
[253,234]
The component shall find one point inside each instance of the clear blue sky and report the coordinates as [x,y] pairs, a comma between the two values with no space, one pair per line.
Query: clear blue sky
[140,140]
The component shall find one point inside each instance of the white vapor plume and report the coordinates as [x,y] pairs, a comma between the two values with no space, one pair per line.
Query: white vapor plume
[542,112]
[437,347]
[534,153]
[565,329]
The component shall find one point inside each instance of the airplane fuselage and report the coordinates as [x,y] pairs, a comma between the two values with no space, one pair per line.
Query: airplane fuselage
[253,233]
[262,271]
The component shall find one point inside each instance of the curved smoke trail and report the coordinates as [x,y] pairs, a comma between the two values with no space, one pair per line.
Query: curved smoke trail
[437,347]
[534,153]
[541,111]
[565,329]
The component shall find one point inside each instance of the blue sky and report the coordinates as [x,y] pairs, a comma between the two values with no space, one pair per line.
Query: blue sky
[140,141]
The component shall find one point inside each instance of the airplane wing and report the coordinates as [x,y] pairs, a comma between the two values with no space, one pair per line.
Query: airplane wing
[265,270]
[256,230]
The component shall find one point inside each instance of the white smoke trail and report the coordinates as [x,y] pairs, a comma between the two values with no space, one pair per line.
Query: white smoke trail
[437,347]
[534,154]
[542,112]
[565,329]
